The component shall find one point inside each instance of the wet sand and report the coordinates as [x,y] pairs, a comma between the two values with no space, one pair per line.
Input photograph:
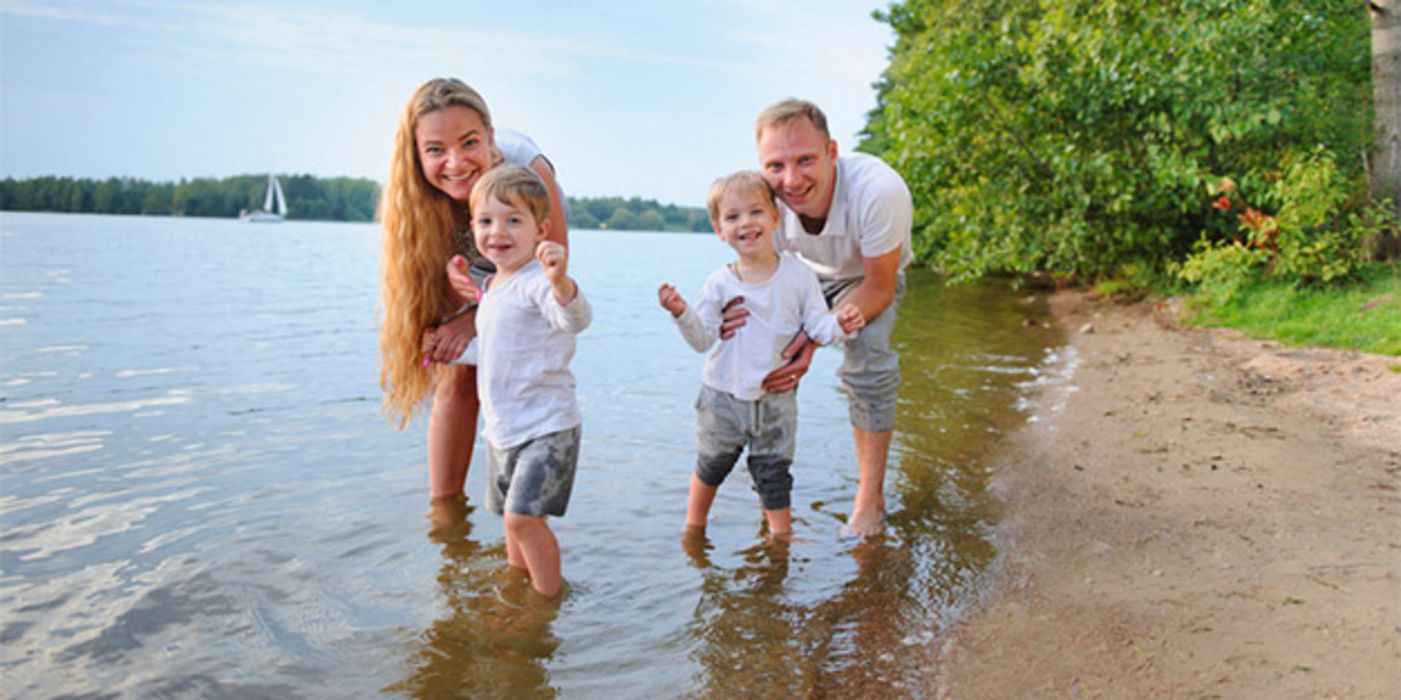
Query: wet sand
[1197,515]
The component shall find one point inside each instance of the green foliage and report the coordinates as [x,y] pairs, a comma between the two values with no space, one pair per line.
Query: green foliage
[1221,269]
[1079,136]
[308,197]
[634,214]
[1364,313]
[1311,238]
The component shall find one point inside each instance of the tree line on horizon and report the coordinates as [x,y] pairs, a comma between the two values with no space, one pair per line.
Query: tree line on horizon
[308,198]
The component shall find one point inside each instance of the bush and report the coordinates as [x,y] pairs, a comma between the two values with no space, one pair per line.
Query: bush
[1079,136]
[1314,236]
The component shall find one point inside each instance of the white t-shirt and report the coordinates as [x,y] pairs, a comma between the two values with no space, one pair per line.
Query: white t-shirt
[871,214]
[789,300]
[525,340]
[518,148]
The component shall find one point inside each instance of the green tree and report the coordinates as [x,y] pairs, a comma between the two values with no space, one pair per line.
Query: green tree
[341,199]
[622,219]
[107,197]
[582,219]
[1080,136]
[651,220]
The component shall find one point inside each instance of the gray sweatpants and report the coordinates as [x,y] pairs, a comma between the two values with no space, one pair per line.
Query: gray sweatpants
[870,370]
[768,426]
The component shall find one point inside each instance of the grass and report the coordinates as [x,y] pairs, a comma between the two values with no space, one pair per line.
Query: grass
[1363,316]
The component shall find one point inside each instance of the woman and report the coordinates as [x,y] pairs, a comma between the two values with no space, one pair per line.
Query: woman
[444,143]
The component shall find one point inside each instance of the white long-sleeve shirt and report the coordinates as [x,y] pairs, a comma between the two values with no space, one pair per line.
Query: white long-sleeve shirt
[525,340]
[788,301]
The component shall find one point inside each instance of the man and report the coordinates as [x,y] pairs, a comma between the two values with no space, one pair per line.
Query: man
[849,219]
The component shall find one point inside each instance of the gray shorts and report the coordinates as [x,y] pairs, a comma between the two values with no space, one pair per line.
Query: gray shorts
[768,425]
[534,477]
[870,370]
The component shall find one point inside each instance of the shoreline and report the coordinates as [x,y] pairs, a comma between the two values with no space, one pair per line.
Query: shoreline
[1197,514]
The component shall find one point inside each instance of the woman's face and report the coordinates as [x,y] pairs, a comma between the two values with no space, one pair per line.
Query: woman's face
[454,148]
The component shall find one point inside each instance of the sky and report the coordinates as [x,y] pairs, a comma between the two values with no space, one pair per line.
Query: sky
[627,98]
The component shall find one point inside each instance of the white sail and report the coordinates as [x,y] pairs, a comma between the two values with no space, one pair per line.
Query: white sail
[281,198]
[274,204]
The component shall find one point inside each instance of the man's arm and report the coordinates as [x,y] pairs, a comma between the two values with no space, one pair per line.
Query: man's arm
[876,292]
[873,295]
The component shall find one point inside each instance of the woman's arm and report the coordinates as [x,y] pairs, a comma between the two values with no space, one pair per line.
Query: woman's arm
[559,224]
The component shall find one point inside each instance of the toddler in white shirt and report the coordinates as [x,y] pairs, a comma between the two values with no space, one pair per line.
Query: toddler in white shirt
[530,312]
[733,410]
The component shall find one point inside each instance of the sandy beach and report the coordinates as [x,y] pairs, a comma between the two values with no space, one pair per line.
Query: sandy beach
[1195,515]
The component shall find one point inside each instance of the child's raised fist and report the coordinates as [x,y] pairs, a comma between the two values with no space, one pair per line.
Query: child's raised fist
[849,317]
[671,300]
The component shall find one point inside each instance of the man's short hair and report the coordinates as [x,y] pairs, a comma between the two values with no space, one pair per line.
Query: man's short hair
[785,112]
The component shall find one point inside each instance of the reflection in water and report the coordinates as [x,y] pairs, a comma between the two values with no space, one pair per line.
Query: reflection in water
[754,633]
[756,630]
[746,634]
[494,636]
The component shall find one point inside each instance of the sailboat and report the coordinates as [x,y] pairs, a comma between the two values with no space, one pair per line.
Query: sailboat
[274,205]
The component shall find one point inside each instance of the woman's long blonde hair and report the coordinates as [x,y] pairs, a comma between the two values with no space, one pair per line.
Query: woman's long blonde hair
[419,220]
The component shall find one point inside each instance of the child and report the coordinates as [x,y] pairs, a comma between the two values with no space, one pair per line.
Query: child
[782,296]
[526,324]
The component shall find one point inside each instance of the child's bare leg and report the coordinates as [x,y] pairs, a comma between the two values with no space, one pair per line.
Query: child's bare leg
[780,522]
[698,507]
[514,557]
[539,549]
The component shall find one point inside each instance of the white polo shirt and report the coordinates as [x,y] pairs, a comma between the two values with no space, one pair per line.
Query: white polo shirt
[872,214]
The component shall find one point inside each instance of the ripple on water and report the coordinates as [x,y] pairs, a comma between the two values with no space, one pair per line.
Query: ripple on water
[50,409]
[259,533]
[48,446]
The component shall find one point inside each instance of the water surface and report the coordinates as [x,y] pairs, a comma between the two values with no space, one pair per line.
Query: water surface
[200,497]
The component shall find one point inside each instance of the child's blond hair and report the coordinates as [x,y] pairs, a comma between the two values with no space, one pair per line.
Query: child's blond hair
[514,184]
[787,111]
[742,181]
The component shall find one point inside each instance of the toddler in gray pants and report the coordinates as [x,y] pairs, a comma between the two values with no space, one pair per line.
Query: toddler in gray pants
[783,296]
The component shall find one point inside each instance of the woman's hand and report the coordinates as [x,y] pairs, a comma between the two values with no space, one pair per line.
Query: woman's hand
[446,342]
[460,282]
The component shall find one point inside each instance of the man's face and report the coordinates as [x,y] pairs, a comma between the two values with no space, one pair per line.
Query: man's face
[801,164]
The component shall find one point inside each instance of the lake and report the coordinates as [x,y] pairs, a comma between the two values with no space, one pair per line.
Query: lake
[201,498]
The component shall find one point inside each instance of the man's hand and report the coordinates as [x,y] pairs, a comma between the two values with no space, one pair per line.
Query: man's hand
[785,378]
[671,300]
[732,316]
